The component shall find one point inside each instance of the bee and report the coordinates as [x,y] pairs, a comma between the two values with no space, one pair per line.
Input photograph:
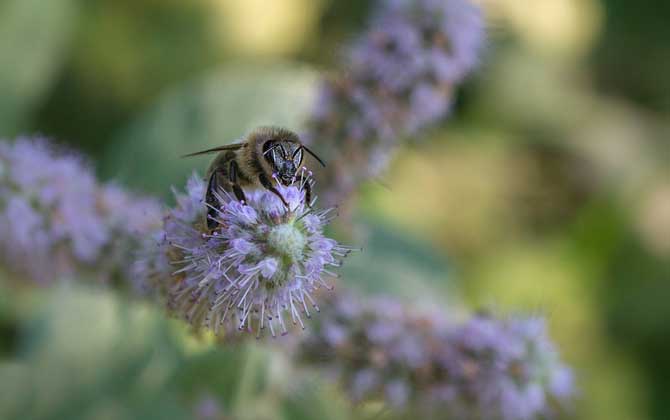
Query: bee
[265,153]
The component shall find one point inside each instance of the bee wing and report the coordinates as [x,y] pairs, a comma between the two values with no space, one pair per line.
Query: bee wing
[233,146]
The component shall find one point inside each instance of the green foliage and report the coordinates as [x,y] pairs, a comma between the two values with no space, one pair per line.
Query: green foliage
[633,58]
[103,358]
[123,55]
[34,37]
[394,263]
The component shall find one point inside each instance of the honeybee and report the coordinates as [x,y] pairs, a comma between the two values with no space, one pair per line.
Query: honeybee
[265,153]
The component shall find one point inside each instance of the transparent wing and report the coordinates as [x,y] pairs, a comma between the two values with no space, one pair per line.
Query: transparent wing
[233,146]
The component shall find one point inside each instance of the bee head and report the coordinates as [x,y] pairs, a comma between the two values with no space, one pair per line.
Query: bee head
[285,158]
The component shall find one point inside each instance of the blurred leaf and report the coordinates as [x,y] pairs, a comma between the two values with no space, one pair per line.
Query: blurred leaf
[34,35]
[124,55]
[459,194]
[637,312]
[638,30]
[521,89]
[314,399]
[212,111]
[394,263]
[88,355]
[251,379]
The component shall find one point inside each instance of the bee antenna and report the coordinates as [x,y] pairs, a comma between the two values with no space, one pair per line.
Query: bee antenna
[314,155]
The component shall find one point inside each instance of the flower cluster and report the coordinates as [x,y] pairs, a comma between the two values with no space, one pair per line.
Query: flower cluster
[153,266]
[259,267]
[56,219]
[400,77]
[207,407]
[485,368]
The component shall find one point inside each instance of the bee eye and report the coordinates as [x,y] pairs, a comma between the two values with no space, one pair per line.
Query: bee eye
[279,160]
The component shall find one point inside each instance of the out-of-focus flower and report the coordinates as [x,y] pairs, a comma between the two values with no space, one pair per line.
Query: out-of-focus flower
[208,407]
[133,220]
[153,265]
[485,368]
[56,219]
[506,369]
[400,78]
[259,267]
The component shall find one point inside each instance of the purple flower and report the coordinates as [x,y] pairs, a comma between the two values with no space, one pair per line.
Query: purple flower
[150,266]
[400,77]
[505,368]
[207,407]
[56,220]
[397,393]
[153,262]
[484,368]
[260,267]
[129,214]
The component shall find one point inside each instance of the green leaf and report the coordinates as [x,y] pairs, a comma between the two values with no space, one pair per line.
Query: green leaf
[34,35]
[394,263]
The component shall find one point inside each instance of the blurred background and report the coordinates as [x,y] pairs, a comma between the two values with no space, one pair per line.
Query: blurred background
[547,191]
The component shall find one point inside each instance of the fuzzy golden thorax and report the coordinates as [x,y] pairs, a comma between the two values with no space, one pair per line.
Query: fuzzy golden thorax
[266,155]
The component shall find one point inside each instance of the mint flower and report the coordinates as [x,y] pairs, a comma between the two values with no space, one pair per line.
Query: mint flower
[56,220]
[151,272]
[260,267]
[503,369]
[484,368]
[399,78]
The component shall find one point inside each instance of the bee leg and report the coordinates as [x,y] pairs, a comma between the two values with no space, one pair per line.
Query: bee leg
[308,193]
[265,182]
[232,175]
[215,182]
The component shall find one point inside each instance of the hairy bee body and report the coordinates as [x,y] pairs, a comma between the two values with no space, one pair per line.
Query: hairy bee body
[246,155]
[267,154]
